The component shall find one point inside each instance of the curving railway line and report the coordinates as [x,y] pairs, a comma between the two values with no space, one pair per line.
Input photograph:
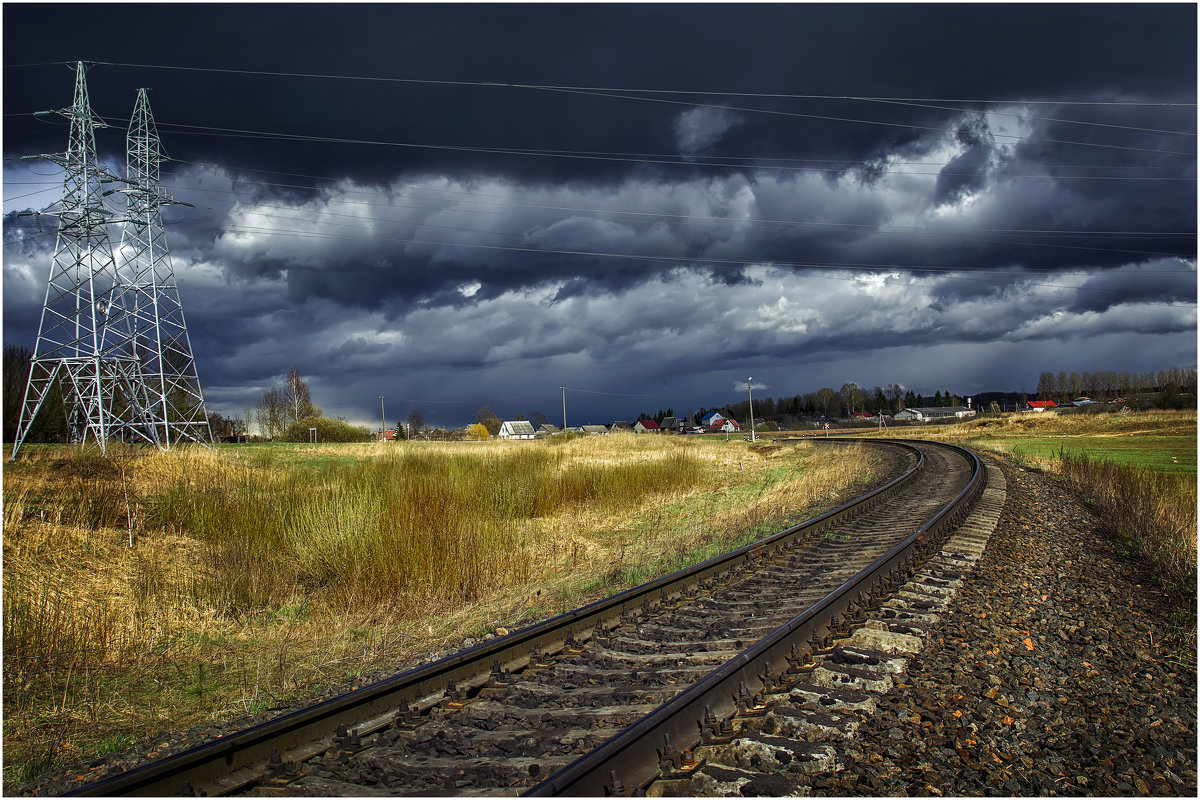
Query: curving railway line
[615,696]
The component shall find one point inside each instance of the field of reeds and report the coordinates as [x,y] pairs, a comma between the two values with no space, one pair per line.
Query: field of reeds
[1138,470]
[148,591]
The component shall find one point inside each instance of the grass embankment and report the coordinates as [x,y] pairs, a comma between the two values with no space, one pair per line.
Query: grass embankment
[152,591]
[1137,470]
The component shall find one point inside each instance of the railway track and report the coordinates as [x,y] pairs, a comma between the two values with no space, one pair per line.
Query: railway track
[613,696]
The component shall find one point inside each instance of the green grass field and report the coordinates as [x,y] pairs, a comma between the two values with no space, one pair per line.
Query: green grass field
[1160,440]
[1175,455]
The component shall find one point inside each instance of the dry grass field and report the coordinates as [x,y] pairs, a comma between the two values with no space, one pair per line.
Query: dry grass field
[149,591]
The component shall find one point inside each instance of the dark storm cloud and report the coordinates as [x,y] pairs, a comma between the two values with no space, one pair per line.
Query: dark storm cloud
[900,227]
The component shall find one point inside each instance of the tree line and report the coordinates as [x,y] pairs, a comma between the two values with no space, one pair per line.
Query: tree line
[1173,385]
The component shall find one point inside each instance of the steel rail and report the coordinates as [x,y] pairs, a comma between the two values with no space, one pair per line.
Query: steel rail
[650,748]
[233,762]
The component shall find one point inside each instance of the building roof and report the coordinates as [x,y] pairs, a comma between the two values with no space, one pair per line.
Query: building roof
[519,427]
[1042,404]
[708,418]
[593,429]
[669,422]
[648,424]
[622,425]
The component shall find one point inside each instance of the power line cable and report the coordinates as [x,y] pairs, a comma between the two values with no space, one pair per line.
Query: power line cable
[781,95]
[692,161]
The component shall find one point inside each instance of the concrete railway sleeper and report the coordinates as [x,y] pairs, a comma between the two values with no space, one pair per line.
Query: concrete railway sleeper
[618,695]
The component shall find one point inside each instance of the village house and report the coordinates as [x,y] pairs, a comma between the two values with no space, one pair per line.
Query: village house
[516,429]
[596,430]
[1040,405]
[929,414]
[646,426]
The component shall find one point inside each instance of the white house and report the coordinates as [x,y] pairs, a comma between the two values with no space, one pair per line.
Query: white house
[516,429]
[930,413]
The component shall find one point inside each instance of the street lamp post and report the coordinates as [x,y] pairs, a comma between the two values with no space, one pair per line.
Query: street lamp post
[751,392]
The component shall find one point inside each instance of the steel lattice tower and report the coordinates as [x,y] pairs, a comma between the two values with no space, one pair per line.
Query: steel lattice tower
[159,332]
[85,337]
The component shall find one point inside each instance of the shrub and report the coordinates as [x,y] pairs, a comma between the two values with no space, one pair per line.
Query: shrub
[477,433]
[328,430]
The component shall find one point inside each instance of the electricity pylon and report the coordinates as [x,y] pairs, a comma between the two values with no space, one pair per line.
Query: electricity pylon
[85,338]
[159,331]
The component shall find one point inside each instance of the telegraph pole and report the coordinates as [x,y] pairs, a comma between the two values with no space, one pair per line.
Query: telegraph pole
[382,421]
[751,392]
[564,401]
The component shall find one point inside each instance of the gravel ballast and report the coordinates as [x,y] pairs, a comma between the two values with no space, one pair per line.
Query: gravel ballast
[1050,674]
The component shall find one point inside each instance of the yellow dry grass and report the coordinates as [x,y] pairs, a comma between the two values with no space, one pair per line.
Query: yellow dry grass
[110,633]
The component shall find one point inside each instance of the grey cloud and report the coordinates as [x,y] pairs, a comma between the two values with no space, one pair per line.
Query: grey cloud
[700,128]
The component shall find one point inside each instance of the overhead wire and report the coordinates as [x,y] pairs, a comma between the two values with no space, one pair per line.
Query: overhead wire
[781,95]
[679,160]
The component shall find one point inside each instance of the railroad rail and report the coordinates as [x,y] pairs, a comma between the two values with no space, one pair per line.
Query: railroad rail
[609,697]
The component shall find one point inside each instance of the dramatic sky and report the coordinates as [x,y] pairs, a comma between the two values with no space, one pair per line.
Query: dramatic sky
[458,205]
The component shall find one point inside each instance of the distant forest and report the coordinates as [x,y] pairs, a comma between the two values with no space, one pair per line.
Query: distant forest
[1169,388]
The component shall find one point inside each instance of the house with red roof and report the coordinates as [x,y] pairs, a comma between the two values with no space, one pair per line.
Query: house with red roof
[1040,405]
[646,426]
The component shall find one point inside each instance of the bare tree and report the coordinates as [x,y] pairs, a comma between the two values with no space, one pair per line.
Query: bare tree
[272,413]
[825,398]
[895,394]
[415,422]
[852,397]
[297,398]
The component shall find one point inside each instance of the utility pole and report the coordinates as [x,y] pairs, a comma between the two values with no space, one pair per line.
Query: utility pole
[751,392]
[564,401]
[382,421]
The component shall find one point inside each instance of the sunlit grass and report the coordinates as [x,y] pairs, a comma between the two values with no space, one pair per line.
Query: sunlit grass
[145,590]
